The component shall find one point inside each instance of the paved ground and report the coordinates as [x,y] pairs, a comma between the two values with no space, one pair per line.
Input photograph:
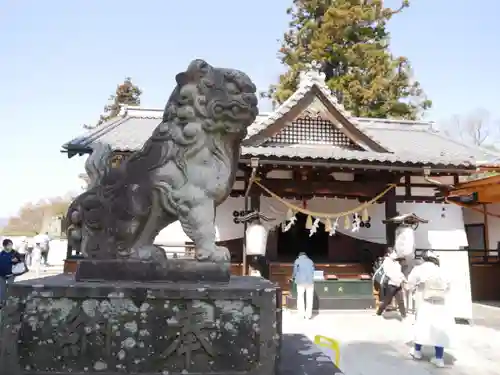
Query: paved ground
[371,345]
[487,314]
[44,272]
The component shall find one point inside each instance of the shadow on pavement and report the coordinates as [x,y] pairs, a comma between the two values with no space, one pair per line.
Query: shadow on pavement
[367,357]
[299,355]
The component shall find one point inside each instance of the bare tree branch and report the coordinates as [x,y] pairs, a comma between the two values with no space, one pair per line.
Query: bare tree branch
[474,128]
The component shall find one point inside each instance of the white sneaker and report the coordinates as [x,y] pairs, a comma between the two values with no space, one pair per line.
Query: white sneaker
[416,354]
[438,362]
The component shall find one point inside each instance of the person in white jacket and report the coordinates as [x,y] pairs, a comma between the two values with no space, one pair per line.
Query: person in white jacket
[392,269]
[434,320]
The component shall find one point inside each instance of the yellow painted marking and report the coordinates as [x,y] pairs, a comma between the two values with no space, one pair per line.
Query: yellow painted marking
[329,343]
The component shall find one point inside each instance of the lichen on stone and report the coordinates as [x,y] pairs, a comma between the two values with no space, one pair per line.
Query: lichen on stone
[100,366]
[131,326]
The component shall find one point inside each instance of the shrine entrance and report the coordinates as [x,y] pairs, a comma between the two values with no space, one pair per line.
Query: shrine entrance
[298,239]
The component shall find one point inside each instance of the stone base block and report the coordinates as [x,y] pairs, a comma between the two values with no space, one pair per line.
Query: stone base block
[59,326]
[175,270]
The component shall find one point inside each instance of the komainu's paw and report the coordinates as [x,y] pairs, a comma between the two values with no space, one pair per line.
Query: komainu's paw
[150,253]
[218,255]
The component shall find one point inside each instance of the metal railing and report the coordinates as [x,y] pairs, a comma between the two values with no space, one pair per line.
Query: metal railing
[181,252]
[476,256]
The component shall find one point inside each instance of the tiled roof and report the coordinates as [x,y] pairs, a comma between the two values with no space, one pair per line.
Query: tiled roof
[334,153]
[407,143]
[430,146]
[127,132]
[404,141]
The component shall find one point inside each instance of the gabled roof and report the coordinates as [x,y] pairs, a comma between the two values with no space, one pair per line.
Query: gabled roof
[380,140]
[482,191]
[312,87]
[126,132]
[486,187]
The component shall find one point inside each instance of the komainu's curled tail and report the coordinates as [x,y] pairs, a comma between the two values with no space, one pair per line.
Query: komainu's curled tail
[98,163]
[97,166]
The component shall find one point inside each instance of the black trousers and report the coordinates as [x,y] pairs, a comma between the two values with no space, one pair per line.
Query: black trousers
[380,289]
[391,292]
[45,256]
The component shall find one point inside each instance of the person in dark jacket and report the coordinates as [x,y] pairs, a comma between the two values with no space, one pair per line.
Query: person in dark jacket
[8,257]
[259,266]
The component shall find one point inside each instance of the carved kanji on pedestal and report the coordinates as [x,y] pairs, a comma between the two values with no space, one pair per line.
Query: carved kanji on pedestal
[78,326]
[192,335]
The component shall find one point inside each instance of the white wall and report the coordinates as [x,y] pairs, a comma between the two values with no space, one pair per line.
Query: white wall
[447,233]
[474,217]
[225,227]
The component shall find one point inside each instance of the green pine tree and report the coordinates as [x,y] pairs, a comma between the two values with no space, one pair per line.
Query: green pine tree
[126,93]
[349,38]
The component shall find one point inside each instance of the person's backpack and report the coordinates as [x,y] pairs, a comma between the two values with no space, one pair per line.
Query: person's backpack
[379,276]
[435,289]
[19,268]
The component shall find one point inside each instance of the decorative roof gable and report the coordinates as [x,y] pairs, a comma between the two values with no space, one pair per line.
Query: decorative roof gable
[311,90]
[313,131]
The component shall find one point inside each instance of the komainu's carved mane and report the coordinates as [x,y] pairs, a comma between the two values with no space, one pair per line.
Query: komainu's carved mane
[187,165]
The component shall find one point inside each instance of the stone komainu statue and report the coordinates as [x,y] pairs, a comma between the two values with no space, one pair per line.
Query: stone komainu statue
[183,172]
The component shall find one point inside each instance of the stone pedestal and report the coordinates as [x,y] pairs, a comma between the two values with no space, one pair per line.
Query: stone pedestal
[59,326]
[174,270]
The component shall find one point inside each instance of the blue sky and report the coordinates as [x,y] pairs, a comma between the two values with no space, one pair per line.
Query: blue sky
[60,60]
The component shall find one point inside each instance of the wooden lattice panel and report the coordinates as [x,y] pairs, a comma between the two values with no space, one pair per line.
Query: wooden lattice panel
[309,130]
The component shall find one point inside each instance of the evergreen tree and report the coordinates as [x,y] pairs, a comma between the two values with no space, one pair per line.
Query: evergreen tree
[349,39]
[125,93]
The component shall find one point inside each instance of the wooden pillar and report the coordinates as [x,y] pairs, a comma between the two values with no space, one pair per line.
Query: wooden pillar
[244,247]
[254,201]
[390,211]
[486,233]
[245,225]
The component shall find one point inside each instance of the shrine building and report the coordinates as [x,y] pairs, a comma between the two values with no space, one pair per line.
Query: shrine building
[312,158]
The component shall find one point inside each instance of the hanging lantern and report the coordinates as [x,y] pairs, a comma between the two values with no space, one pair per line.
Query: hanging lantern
[309,222]
[347,222]
[256,239]
[365,216]
[404,245]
